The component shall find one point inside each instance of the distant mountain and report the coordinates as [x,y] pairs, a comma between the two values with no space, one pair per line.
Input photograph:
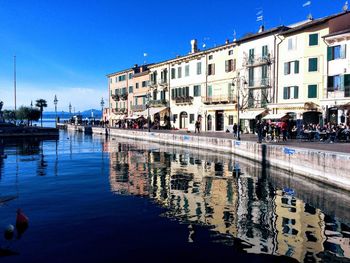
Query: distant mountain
[66,115]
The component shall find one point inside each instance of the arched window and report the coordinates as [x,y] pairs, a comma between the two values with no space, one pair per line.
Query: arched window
[183,120]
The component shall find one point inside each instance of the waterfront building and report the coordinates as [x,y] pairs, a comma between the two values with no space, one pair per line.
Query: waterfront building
[256,74]
[336,101]
[118,95]
[219,98]
[302,68]
[187,84]
[159,100]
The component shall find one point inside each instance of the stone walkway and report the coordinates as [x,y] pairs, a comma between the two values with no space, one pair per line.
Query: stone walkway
[343,147]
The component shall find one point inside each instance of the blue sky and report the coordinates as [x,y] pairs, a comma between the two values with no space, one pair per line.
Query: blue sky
[67,47]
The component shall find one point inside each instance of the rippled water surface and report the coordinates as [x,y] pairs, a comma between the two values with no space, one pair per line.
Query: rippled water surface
[92,199]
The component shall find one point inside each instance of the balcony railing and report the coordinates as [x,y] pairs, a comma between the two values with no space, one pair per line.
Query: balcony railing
[115,97]
[219,99]
[257,60]
[119,110]
[138,107]
[183,99]
[259,83]
[158,103]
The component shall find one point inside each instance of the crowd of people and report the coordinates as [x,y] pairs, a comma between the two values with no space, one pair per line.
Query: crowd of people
[285,130]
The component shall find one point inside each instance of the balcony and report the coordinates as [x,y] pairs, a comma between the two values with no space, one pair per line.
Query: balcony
[220,99]
[184,100]
[259,83]
[138,108]
[115,97]
[119,110]
[124,96]
[257,60]
[158,103]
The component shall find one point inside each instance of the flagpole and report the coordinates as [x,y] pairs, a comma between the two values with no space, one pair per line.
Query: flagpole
[14,80]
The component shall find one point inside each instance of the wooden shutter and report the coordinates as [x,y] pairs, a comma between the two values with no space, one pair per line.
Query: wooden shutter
[296,92]
[296,66]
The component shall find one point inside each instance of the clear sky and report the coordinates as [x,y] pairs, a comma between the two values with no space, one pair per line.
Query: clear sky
[66,47]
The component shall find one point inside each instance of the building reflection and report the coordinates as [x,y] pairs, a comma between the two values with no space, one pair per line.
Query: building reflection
[199,192]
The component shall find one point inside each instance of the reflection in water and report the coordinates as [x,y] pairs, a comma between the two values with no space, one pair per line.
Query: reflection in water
[199,189]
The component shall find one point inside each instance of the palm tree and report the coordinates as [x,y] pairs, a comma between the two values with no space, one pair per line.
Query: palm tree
[41,104]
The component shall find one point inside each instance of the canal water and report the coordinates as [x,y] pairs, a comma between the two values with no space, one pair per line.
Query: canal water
[97,199]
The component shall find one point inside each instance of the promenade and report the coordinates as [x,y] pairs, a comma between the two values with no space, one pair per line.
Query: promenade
[341,147]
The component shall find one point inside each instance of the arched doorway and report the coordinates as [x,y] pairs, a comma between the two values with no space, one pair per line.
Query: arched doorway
[183,120]
[209,122]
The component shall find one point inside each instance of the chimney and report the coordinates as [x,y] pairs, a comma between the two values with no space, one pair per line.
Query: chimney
[194,47]
[261,29]
[227,41]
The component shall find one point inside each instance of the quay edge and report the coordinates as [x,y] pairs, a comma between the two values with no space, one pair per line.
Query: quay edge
[331,168]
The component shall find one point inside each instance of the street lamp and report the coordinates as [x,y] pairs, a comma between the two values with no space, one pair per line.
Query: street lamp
[238,79]
[55,102]
[102,103]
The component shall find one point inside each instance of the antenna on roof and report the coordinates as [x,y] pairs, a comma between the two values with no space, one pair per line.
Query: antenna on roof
[234,36]
[260,16]
[345,6]
[308,3]
[144,56]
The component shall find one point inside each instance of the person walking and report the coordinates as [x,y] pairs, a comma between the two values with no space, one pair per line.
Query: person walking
[197,126]
[259,129]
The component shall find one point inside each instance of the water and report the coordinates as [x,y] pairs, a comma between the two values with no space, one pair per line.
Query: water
[91,199]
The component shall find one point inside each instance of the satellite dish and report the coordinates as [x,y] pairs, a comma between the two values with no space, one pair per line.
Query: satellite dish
[204,45]
[346,6]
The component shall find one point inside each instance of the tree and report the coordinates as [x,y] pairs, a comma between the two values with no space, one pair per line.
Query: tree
[9,115]
[27,114]
[41,104]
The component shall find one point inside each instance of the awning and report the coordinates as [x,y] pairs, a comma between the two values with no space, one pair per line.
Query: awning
[345,106]
[134,117]
[250,115]
[276,116]
[152,111]
[116,116]
[311,106]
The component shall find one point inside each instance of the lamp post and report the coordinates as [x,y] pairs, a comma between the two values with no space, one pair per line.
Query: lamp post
[102,103]
[55,102]
[238,79]
[148,113]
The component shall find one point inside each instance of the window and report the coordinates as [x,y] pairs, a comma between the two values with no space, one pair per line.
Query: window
[312,91]
[164,76]
[123,91]
[173,73]
[286,68]
[335,83]
[290,92]
[144,84]
[210,91]
[230,52]
[230,119]
[187,70]
[211,69]
[210,57]
[137,85]
[179,72]
[264,72]
[229,65]
[296,66]
[292,43]
[251,55]
[196,90]
[130,75]
[251,77]
[336,52]
[313,39]
[110,80]
[265,52]
[250,98]
[264,98]
[122,78]
[312,64]
[154,77]
[130,89]
[191,118]
[347,85]
[199,68]
[116,79]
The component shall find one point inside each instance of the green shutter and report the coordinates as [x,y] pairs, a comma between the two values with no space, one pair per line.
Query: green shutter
[329,53]
[313,39]
[296,66]
[296,92]
[286,68]
[312,64]
[285,93]
[347,85]
[312,91]
[210,91]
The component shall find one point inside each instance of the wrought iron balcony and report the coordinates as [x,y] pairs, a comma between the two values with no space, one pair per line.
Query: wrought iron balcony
[257,60]
[115,97]
[220,99]
[183,99]
[158,103]
[138,107]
